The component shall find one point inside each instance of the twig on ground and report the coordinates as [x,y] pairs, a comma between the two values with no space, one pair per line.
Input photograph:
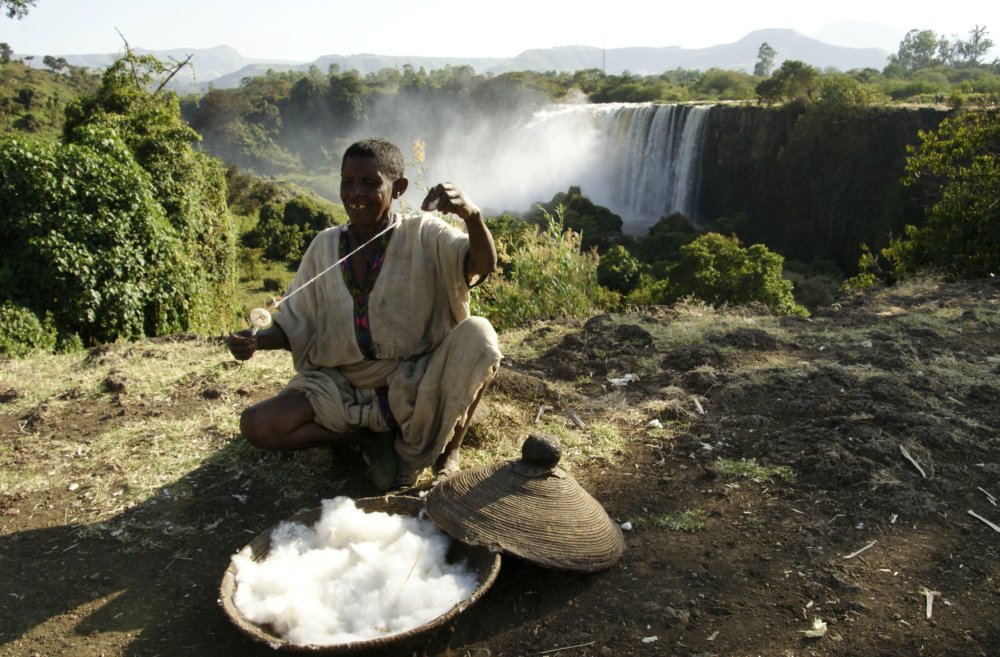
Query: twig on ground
[571,414]
[913,461]
[990,497]
[579,645]
[854,554]
[995,527]
[541,411]
[929,598]
[697,405]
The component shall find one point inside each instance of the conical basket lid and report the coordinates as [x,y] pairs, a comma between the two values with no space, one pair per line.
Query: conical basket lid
[530,508]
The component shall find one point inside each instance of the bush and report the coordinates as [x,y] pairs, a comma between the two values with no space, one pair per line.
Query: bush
[957,173]
[548,276]
[716,270]
[618,270]
[596,225]
[87,242]
[23,333]
[189,186]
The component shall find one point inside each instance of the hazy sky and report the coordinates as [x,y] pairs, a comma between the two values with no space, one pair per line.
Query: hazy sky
[303,30]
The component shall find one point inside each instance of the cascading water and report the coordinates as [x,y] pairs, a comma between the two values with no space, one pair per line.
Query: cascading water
[653,160]
[640,160]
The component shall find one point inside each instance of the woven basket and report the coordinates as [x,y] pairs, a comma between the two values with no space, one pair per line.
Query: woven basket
[480,560]
[530,508]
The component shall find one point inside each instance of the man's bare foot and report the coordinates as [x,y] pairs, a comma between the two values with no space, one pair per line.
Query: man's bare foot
[380,448]
[447,465]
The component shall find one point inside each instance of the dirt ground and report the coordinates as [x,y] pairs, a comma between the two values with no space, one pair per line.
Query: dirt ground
[883,407]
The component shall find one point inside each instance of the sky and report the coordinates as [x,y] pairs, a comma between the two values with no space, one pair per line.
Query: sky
[303,30]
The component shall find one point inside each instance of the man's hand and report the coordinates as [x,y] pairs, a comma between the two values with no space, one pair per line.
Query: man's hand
[450,199]
[242,344]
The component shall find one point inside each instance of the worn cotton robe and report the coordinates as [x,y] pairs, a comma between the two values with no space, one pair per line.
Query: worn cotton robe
[431,354]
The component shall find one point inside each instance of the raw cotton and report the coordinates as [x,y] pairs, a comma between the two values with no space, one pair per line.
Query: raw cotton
[353,576]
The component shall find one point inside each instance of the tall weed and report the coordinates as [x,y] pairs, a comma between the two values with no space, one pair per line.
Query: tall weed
[544,275]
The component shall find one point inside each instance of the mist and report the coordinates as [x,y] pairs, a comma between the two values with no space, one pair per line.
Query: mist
[635,159]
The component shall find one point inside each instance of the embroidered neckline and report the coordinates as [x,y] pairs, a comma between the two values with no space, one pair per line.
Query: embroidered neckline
[361,292]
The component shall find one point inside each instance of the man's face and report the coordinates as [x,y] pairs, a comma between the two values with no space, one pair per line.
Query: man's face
[365,191]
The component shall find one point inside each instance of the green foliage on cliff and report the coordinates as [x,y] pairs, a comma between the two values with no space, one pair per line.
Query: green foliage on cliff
[956,169]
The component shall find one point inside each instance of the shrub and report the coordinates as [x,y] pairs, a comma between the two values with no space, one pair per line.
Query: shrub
[956,171]
[23,333]
[717,270]
[87,242]
[618,270]
[547,276]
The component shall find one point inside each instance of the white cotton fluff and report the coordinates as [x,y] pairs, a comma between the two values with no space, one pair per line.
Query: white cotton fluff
[353,576]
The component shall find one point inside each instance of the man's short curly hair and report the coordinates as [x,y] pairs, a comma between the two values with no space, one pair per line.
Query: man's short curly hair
[387,155]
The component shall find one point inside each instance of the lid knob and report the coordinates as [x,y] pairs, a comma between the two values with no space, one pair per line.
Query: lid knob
[541,450]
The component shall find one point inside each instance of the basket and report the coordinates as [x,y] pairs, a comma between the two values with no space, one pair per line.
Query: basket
[480,560]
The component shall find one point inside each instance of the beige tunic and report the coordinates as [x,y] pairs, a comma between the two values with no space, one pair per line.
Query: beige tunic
[433,357]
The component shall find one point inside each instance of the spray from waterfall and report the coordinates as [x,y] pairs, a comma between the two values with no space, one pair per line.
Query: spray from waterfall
[642,161]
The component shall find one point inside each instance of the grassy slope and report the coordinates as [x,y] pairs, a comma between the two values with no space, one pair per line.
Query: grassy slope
[52,91]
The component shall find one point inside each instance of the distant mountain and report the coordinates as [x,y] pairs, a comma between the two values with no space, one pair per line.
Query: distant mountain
[363,64]
[223,67]
[860,34]
[741,55]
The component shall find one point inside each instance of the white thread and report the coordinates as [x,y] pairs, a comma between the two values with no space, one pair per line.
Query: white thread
[257,315]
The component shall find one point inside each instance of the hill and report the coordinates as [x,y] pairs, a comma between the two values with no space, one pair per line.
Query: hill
[33,101]
[771,471]
[223,67]
[741,55]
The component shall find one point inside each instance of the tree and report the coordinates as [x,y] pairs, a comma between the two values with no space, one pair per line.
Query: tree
[56,64]
[957,169]
[16,8]
[921,49]
[86,241]
[663,241]
[618,270]
[765,60]
[717,270]
[131,108]
[6,52]
[734,85]
[794,81]
[973,50]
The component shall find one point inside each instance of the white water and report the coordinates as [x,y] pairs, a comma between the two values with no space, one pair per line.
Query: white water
[638,159]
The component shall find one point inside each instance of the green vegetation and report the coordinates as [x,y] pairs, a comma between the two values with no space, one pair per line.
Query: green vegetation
[116,212]
[957,171]
[545,274]
[280,123]
[33,102]
[716,269]
[119,230]
[750,469]
[689,520]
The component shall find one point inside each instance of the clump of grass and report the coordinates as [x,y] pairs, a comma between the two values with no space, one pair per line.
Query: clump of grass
[689,520]
[547,276]
[750,469]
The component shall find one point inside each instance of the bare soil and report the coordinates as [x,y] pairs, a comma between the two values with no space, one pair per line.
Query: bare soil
[854,539]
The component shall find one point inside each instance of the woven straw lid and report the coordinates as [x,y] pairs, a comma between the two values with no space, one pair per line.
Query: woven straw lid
[530,508]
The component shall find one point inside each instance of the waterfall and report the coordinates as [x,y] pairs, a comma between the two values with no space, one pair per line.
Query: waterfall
[640,160]
[653,160]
